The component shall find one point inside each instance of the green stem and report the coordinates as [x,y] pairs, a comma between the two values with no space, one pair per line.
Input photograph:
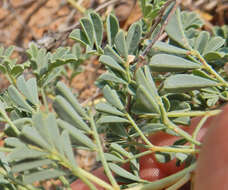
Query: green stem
[193,113]
[127,66]
[198,127]
[77,6]
[162,149]
[16,181]
[85,176]
[167,181]
[29,187]
[137,156]
[101,154]
[3,149]
[209,68]
[183,114]
[65,182]
[181,132]
[11,79]
[172,149]
[87,182]
[93,178]
[22,188]
[172,126]
[139,131]
[44,99]
[180,183]
[8,120]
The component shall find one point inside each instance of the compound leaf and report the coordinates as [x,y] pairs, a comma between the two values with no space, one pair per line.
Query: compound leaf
[186,82]
[171,63]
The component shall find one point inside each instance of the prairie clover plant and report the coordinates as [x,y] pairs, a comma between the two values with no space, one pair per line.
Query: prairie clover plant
[144,92]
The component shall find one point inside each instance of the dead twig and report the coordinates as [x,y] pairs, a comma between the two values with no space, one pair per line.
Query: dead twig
[26,21]
[92,98]
[25,4]
[77,5]
[158,19]
[14,12]
[61,36]
[104,5]
[146,51]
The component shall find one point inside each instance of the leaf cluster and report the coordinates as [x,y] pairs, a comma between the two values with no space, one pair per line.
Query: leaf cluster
[179,78]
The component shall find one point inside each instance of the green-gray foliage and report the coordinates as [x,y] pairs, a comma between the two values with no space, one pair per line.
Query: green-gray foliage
[177,79]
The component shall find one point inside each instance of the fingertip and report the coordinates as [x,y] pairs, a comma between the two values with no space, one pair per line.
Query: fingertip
[212,166]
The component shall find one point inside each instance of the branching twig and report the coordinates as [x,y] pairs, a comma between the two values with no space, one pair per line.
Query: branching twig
[25,4]
[27,19]
[106,4]
[69,29]
[146,51]
[63,34]
[158,18]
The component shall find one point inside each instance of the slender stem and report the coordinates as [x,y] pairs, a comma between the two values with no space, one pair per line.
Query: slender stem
[181,132]
[65,182]
[22,188]
[198,127]
[146,51]
[139,131]
[29,187]
[167,181]
[173,149]
[169,124]
[16,181]
[180,183]
[3,149]
[11,79]
[128,73]
[209,68]
[44,99]
[77,6]
[193,113]
[87,182]
[162,149]
[101,154]
[182,114]
[93,178]
[158,19]
[137,156]
[172,126]
[106,4]
[85,176]
[8,120]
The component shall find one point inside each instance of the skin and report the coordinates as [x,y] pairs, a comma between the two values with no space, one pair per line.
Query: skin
[151,173]
[212,168]
[79,185]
